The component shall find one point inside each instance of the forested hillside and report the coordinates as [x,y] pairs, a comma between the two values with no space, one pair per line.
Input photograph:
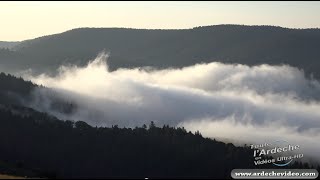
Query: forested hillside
[171,48]
[48,147]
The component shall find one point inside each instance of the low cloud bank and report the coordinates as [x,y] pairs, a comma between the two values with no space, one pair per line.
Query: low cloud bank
[229,101]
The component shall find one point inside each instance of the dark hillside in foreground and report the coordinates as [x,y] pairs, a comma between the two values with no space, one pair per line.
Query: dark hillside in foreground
[249,45]
[48,147]
[66,149]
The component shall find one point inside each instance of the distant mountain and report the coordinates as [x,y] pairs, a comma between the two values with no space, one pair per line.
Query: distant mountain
[8,44]
[249,45]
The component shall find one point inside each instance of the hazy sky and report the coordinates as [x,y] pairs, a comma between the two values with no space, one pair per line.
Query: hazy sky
[25,20]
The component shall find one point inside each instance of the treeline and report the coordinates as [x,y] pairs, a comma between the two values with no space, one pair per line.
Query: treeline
[38,145]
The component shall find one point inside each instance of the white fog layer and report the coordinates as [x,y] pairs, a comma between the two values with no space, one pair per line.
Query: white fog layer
[237,102]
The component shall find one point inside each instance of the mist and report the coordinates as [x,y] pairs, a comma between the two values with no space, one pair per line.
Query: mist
[234,102]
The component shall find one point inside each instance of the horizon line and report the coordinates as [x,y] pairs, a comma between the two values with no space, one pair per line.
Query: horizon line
[173,29]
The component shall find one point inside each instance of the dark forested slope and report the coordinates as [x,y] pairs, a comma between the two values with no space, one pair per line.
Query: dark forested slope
[48,147]
[13,89]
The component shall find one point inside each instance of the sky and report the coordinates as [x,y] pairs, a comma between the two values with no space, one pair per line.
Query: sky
[27,20]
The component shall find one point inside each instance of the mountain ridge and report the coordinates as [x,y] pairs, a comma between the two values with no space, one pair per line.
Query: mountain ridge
[195,27]
[129,48]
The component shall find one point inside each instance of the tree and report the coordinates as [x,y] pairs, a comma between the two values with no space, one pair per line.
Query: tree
[152,125]
[144,126]
[82,125]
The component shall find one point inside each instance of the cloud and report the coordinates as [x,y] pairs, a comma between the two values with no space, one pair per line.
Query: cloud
[229,101]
